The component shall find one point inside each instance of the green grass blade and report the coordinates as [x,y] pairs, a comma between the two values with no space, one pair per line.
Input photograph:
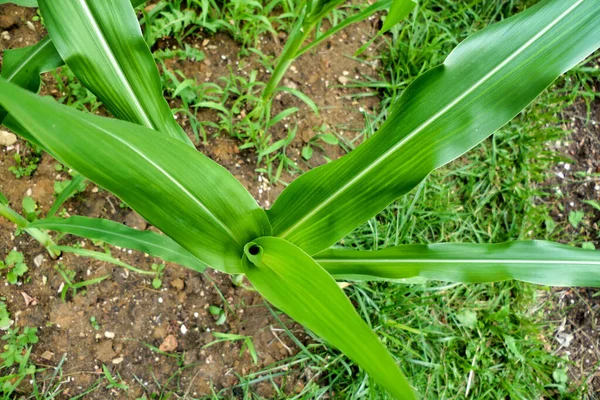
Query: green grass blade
[291,280]
[23,66]
[117,234]
[76,182]
[192,199]
[487,80]
[540,262]
[102,43]
[361,16]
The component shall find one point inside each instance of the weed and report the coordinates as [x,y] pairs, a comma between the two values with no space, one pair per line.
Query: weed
[14,263]
[26,164]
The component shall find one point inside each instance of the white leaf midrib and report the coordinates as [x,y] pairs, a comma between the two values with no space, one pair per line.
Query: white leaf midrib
[452,261]
[116,66]
[428,122]
[168,176]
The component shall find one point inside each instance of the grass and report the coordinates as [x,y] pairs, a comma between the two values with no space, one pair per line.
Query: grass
[461,341]
[486,341]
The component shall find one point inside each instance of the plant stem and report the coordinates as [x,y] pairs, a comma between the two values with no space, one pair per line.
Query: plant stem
[297,37]
[41,236]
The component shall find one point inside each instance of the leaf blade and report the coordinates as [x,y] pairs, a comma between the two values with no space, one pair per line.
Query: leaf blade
[23,66]
[295,283]
[195,201]
[484,83]
[538,262]
[102,43]
[120,235]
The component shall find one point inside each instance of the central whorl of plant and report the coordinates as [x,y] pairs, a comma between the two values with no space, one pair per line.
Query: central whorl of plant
[210,218]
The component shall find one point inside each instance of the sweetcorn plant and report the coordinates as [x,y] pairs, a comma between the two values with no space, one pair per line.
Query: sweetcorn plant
[209,219]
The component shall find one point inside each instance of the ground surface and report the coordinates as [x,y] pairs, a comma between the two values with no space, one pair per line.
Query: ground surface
[133,318]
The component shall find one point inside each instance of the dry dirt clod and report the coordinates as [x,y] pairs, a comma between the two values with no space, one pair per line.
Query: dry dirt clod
[133,220]
[47,355]
[177,284]
[7,138]
[169,344]
[29,301]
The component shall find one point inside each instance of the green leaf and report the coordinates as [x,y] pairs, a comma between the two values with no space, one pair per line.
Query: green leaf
[295,283]
[14,258]
[485,82]
[575,218]
[117,234]
[20,269]
[540,262]
[195,201]
[22,3]
[398,11]
[23,66]
[102,43]
[77,184]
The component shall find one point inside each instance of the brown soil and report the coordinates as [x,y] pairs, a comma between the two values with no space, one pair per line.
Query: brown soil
[131,314]
[578,179]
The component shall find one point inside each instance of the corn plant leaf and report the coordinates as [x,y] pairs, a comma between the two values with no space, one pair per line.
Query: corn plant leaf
[483,83]
[23,66]
[111,232]
[291,280]
[540,262]
[195,201]
[102,43]
[398,11]
[22,3]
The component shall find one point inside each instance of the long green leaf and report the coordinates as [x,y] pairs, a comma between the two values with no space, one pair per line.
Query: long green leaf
[23,66]
[22,3]
[195,201]
[398,11]
[111,232]
[484,83]
[34,3]
[102,43]
[291,280]
[544,263]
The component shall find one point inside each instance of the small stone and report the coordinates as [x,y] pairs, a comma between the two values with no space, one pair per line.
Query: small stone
[38,260]
[183,329]
[47,355]
[109,335]
[169,344]
[5,35]
[343,80]
[133,220]
[7,138]
[117,360]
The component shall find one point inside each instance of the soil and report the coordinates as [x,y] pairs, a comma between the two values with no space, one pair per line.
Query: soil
[132,315]
[578,179]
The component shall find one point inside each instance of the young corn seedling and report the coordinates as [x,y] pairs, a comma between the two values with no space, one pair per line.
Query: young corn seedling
[208,217]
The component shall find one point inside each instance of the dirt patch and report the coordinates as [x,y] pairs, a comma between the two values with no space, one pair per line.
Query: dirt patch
[576,181]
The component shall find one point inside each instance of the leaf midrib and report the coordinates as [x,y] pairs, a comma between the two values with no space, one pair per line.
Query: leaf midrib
[117,67]
[452,261]
[428,122]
